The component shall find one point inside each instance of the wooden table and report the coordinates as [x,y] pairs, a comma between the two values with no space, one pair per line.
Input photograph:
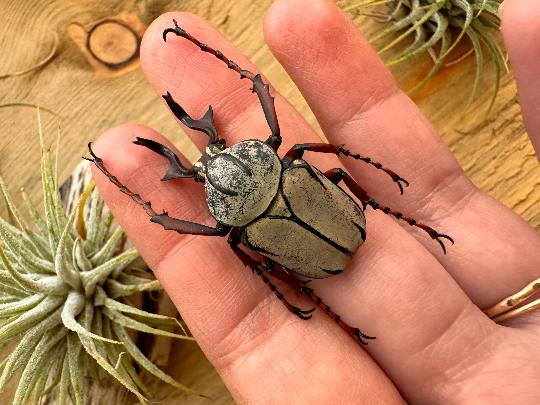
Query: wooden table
[495,153]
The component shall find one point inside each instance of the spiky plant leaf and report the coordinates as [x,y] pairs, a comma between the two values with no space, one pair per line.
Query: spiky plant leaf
[59,281]
[431,21]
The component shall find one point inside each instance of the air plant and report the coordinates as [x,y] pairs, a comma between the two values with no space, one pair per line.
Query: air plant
[430,21]
[63,292]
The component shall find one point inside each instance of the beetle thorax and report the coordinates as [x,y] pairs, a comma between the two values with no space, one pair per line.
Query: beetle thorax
[241,182]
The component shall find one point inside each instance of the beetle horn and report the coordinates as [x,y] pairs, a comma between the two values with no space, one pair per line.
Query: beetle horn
[205,124]
[176,169]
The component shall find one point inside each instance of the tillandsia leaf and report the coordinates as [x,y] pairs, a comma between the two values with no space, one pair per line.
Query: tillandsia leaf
[438,65]
[10,286]
[46,285]
[91,278]
[75,367]
[69,275]
[50,359]
[64,383]
[40,223]
[58,372]
[73,307]
[479,64]
[436,17]
[430,12]
[117,290]
[419,42]
[91,230]
[489,41]
[48,189]
[103,228]
[141,359]
[442,26]
[148,318]
[81,225]
[107,250]
[134,280]
[90,348]
[12,207]
[368,4]
[81,261]
[23,305]
[22,353]
[128,322]
[31,317]
[36,363]
[123,365]
[401,24]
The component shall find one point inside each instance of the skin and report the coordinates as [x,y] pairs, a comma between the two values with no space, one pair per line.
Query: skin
[434,345]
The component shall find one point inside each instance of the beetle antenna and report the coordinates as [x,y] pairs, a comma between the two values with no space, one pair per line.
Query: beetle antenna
[259,87]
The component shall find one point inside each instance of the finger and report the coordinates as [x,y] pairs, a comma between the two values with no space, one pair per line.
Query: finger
[357,102]
[197,79]
[244,330]
[520,25]
[430,330]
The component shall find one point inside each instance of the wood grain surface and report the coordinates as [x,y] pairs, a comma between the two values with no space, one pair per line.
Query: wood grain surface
[495,152]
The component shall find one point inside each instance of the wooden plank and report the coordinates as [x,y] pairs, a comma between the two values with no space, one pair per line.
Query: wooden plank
[495,153]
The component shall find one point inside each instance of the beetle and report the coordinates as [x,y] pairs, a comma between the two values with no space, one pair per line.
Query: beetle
[297,217]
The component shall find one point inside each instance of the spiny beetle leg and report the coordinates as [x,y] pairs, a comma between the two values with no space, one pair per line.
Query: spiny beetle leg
[248,261]
[259,87]
[336,175]
[183,227]
[302,286]
[305,315]
[297,151]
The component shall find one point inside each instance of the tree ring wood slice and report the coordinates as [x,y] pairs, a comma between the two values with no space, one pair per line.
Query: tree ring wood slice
[112,44]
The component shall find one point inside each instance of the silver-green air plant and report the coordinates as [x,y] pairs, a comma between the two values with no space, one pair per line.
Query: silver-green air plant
[431,21]
[63,298]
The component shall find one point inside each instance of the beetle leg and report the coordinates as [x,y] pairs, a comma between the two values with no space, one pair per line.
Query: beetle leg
[259,87]
[297,151]
[302,286]
[248,261]
[336,175]
[169,223]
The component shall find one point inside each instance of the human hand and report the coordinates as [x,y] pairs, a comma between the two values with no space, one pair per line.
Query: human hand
[434,344]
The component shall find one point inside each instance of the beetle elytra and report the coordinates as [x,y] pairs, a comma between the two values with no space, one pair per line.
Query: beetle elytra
[295,216]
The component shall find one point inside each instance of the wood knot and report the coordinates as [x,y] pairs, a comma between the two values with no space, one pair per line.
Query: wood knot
[112,44]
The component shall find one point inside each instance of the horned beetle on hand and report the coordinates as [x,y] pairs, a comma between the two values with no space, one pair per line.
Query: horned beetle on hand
[294,215]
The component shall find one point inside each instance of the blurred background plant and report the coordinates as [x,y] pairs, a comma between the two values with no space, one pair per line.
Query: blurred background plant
[432,22]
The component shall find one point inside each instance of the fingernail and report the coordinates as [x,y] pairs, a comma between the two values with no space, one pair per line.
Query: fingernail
[501,9]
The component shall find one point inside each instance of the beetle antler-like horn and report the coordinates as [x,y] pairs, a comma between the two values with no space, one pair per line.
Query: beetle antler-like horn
[176,170]
[205,124]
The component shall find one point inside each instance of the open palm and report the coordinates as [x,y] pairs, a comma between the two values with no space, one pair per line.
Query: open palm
[434,344]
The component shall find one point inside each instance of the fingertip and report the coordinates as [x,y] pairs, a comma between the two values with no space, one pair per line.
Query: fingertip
[318,44]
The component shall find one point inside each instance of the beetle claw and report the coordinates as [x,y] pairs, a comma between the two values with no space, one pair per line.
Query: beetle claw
[399,184]
[441,235]
[359,335]
[305,315]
